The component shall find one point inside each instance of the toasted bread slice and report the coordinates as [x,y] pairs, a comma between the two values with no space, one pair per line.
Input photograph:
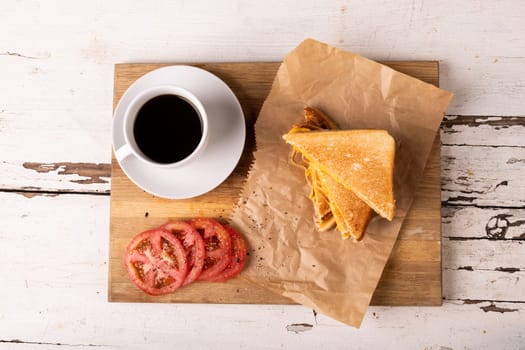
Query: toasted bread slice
[360,160]
[351,213]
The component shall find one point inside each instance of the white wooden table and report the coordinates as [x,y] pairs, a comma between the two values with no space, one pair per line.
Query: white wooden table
[56,71]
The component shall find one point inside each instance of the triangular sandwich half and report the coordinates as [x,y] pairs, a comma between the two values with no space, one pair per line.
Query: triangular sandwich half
[360,160]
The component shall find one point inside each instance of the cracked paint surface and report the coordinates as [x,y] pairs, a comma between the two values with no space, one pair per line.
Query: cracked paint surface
[93,172]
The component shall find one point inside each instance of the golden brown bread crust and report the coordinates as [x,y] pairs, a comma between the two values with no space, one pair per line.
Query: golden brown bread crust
[360,160]
[352,215]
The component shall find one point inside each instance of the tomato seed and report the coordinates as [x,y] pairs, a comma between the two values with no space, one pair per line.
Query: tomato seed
[208,262]
[212,243]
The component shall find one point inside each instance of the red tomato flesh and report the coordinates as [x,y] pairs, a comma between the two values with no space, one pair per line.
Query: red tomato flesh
[238,257]
[193,245]
[156,262]
[218,245]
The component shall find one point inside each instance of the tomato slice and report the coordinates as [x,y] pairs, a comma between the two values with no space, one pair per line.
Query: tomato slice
[193,244]
[238,257]
[156,262]
[218,245]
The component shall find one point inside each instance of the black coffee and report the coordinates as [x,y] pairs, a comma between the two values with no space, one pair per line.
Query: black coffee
[167,129]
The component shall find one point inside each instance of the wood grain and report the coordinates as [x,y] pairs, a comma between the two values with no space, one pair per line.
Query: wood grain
[469,175]
[411,277]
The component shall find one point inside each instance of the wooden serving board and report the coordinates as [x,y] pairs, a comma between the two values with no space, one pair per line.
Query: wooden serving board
[412,276]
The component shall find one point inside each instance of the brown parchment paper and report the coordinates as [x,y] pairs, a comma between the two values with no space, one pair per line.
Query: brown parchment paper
[287,255]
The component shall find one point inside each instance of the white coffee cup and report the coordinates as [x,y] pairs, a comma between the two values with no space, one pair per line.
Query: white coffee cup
[131,148]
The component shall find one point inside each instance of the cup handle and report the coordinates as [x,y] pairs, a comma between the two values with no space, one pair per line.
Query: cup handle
[123,152]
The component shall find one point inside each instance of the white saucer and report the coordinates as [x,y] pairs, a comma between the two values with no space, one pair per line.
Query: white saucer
[224,147]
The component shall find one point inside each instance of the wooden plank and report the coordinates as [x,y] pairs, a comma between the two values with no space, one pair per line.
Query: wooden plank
[497,255]
[484,72]
[483,131]
[466,222]
[62,177]
[480,325]
[483,175]
[66,302]
[457,131]
[471,265]
[418,250]
[502,286]
[489,172]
